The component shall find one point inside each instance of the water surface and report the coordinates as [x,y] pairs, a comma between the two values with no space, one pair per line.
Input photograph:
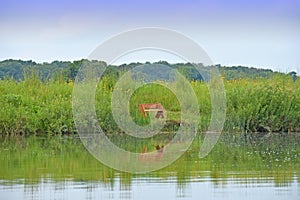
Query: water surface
[239,167]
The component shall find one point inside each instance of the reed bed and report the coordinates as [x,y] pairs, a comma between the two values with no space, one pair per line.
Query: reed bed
[35,107]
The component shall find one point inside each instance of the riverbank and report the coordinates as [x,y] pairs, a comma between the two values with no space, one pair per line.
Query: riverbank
[34,107]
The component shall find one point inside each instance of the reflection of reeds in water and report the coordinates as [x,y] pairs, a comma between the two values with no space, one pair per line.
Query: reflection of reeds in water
[60,158]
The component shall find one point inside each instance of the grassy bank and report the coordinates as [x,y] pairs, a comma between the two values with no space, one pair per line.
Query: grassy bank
[34,107]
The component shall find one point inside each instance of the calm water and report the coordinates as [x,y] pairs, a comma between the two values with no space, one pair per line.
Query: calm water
[238,168]
[198,187]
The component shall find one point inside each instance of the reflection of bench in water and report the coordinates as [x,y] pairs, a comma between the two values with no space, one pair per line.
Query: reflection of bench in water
[152,156]
[152,107]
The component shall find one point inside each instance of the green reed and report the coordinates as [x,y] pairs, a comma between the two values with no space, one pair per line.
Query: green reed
[34,107]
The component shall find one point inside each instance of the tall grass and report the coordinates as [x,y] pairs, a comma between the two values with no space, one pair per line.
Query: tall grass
[264,105]
[34,107]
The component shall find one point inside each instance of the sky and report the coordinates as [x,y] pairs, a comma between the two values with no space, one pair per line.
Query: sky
[263,34]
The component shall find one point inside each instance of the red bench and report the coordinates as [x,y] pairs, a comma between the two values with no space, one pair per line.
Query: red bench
[152,107]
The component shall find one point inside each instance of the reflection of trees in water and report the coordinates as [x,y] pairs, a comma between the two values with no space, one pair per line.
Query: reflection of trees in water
[62,159]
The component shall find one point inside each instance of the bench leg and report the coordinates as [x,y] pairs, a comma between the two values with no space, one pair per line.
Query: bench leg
[160,114]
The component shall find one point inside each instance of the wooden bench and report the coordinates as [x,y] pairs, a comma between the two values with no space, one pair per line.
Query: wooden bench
[152,107]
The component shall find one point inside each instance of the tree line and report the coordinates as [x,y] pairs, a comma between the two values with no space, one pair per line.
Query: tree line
[67,70]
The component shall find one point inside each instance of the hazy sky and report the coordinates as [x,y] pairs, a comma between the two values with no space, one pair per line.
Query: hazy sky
[255,33]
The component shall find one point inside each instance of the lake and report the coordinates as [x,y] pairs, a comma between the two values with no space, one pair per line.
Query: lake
[241,166]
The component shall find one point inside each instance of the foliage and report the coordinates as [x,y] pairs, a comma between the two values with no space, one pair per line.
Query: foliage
[36,107]
[68,70]
[264,105]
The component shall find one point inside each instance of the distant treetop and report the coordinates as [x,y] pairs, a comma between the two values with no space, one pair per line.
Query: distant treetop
[68,70]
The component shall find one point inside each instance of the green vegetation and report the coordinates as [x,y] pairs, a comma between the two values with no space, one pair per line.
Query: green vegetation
[37,106]
[263,105]
[68,70]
